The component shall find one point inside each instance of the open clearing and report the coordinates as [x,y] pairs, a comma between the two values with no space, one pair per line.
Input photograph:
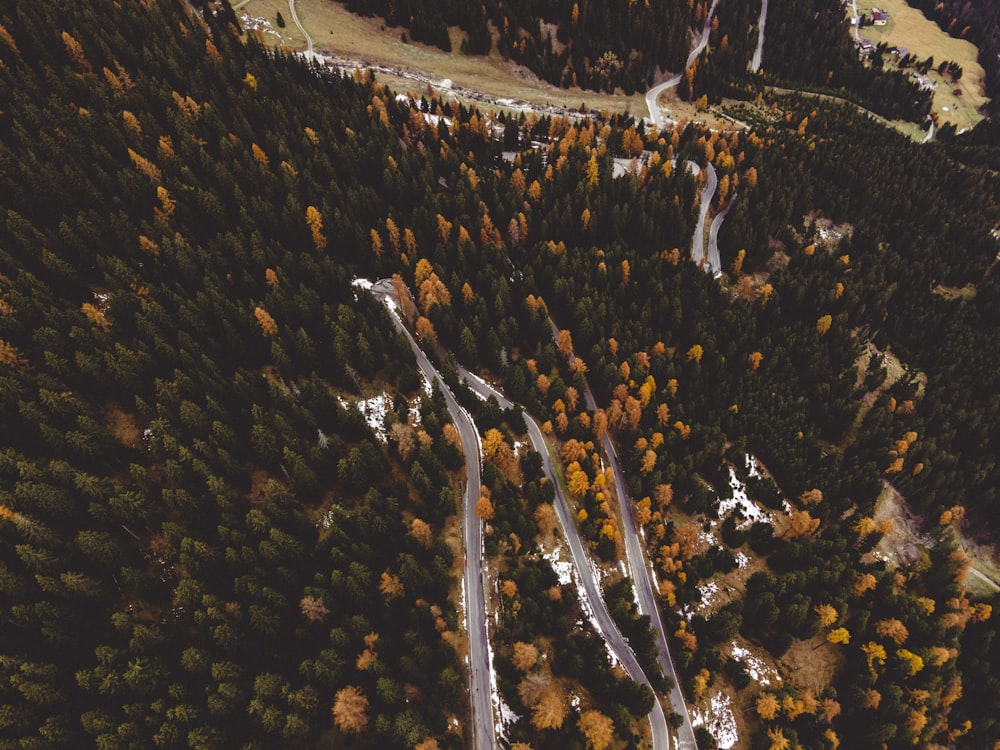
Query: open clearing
[415,68]
[341,34]
[910,29]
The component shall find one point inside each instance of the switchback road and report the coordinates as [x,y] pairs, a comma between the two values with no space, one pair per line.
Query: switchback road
[483,725]
[587,575]
[642,578]
[653,95]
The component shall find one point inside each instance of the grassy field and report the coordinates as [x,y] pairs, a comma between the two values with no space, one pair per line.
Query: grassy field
[367,41]
[413,67]
[262,16]
[923,38]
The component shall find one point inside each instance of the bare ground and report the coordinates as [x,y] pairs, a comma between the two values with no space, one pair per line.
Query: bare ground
[812,664]
[123,425]
[906,542]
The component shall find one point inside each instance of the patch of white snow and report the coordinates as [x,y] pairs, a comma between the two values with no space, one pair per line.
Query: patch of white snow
[719,720]
[759,672]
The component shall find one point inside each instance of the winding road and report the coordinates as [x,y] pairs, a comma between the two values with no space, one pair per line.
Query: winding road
[483,725]
[698,240]
[714,263]
[586,574]
[479,673]
[654,93]
[642,577]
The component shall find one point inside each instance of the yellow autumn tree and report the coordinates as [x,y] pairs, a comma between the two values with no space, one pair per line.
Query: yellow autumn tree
[425,329]
[10,356]
[839,635]
[259,154]
[350,710]
[525,656]
[767,706]
[390,586]
[802,524]
[876,655]
[485,509]
[827,614]
[314,220]
[576,480]
[564,342]
[421,531]
[894,629]
[267,325]
[546,518]
[695,353]
[913,662]
[551,710]
[313,609]
[823,324]
[76,53]
[778,740]
[95,316]
[863,583]
[597,729]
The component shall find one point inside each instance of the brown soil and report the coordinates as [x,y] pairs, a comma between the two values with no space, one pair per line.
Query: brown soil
[906,543]
[963,293]
[258,485]
[123,425]
[812,664]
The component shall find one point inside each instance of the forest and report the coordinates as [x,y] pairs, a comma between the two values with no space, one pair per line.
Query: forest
[207,544]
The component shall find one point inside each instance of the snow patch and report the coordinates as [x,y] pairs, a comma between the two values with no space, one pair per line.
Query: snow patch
[719,720]
[374,409]
[708,592]
[362,284]
[568,575]
[562,568]
[508,718]
[751,511]
[759,672]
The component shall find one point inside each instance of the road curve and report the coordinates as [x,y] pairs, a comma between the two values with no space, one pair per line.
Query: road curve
[714,262]
[644,594]
[483,725]
[295,19]
[591,592]
[698,240]
[642,578]
[654,93]
[755,63]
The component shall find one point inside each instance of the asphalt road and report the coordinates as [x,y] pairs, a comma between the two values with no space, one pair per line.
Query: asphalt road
[654,93]
[698,240]
[644,590]
[587,575]
[714,262]
[483,724]
[641,577]
[758,53]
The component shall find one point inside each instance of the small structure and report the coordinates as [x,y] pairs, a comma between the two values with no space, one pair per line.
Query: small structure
[879,17]
[865,47]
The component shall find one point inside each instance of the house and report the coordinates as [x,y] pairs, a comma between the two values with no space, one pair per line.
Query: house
[864,46]
[879,17]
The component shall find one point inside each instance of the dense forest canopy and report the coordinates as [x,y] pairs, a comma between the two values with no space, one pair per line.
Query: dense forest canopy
[205,543]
